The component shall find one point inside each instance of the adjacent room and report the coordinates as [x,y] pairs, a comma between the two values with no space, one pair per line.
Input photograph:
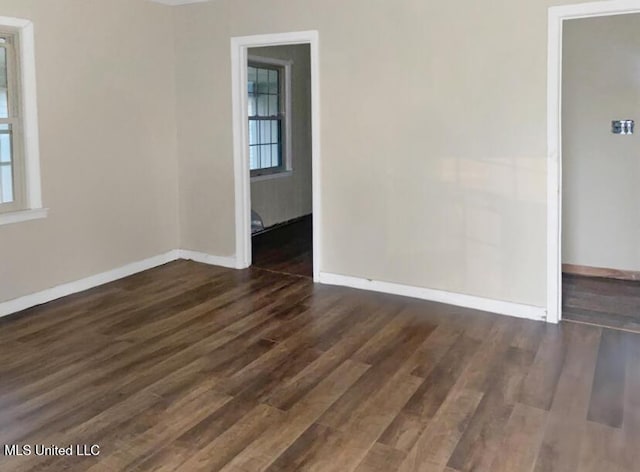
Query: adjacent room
[311,235]
[280,149]
[601,170]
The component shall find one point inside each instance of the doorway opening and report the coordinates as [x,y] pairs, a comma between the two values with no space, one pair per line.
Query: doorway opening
[593,222]
[277,152]
[601,197]
[279,117]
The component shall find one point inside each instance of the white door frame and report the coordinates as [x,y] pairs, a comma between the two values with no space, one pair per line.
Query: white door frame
[557,16]
[239,56]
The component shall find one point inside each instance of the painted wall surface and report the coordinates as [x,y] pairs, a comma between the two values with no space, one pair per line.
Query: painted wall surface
[433,136]
[108,144]
[601,171]
[283,199]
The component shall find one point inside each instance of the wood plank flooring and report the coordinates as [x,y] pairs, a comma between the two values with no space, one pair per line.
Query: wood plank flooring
[189,367]
[287,249]
[605,302]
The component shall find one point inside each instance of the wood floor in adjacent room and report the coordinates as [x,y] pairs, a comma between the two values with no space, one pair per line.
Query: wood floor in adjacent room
[287,248]
[601,301]
[194,368]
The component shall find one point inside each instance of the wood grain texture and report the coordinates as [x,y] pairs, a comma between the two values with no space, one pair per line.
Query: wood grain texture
[601,301]
[287,248]
[188,368]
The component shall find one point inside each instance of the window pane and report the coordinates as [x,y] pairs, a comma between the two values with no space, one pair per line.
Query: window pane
[273,105]
[263,105]
[273,81]
[6,183]
[5,143]
[254,157]
[253,132]
[6,169]
[4,100]
[264,102]
[259,157]
[265,132]
[263,81]
[252,105]
[266,156]
[251,79]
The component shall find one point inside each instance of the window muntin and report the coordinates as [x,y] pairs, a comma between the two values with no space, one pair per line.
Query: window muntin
[266,102]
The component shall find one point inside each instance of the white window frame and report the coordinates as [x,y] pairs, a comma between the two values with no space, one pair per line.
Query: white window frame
[287,165]
[11,46]
[26,141]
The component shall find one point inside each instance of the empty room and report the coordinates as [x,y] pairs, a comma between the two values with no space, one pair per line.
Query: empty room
[317,235]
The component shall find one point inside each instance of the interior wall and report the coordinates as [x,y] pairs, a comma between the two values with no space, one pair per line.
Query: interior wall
[108,144]
[601,171]
[284,198]
[433,137]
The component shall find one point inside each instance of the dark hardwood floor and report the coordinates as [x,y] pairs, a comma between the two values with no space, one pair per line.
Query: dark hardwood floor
[194,368]
[287,249]
[601,301]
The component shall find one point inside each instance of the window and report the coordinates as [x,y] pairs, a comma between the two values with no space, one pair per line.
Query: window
[20,195]
[268,101]
[11,162]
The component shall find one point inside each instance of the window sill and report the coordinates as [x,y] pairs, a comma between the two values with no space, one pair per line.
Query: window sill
[23,215]
[275,175]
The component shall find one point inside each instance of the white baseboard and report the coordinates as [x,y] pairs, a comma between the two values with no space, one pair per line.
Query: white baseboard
[468,301]
[204,258]
[50,294]
[38,298]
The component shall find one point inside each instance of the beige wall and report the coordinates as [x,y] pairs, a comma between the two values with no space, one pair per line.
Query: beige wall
[433,135]
[106,96]
[283,199]
[601,171]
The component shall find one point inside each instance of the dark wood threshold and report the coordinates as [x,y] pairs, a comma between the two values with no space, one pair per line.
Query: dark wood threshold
[601,272]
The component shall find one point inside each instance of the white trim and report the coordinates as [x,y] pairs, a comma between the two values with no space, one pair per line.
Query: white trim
[17,23]
[30,116]
[229,262]
[25,215]
[28,301]
[273,175]
[270,61]
[557,15]
[239,58]
[242,174]
[468,301]
[38,298]
[28,96]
